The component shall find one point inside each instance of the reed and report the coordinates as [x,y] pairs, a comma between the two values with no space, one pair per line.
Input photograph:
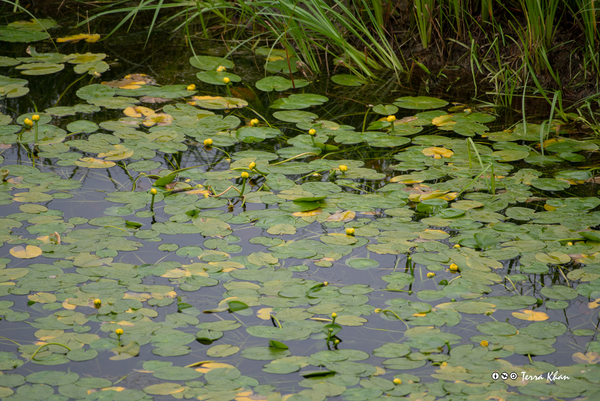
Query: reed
[380,34]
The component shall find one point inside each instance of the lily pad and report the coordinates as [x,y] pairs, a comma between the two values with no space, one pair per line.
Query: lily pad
[420,102]
[279,84]
[348,80]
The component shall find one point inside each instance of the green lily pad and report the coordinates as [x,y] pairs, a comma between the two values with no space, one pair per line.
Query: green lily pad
[208,63]
[279,84]
[348,80]
[550,184]
[216,78]
[15,35]
[298,101]
[420,102]
[39,68]
[295,116]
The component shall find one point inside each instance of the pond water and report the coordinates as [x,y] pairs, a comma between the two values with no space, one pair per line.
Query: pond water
[448,244]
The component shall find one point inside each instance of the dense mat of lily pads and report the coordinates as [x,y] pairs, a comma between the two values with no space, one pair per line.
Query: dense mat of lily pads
[468,255]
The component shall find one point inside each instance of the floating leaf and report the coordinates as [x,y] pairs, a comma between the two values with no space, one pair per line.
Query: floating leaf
[8,34]
[348,80]
[222,350]
[208,63]
[279,84]
[90,38]
[420,102]
[30,252]
[91,162]
[531,315]
[218,103]
[216,78]
[40,68]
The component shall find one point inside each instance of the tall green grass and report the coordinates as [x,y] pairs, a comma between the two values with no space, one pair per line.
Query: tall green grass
[381,34]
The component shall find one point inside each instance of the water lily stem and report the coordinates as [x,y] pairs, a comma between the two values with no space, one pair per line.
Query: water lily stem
[152,203]
[294,157]
[276,320]
[228,155]
[45,345]
[36,132]
[386,311]
[243,186]
[12,341]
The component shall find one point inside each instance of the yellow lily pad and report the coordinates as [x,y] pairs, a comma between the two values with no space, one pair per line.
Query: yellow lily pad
[437,153]
[91,162]
[119,153]
[138,111]
[90,38]
[590,357]
[531,315]
[30,252]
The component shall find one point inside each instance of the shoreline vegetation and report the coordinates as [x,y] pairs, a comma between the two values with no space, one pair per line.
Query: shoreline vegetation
[517,47]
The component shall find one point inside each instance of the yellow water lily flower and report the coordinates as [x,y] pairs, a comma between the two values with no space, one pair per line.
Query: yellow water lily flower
[191,87]
[208,142]
[343,168]
[226,80]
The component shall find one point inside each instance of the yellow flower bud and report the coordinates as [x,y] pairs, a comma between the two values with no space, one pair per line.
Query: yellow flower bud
[208,142]
[28,122]
[119,332]
[350,231]
[343,168]
[325,283]
[191,87]
[569,243]
[456,246]
[153,191]
[397,381]
[453,267]
[444,364]
[484,343]
[254,122]
[221,69]
[430,275]
[312,131]
[391,119]
[334,315]
[97,303]
[378,310]
[245,175]
[226,80]
[35,117]
[252,165]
